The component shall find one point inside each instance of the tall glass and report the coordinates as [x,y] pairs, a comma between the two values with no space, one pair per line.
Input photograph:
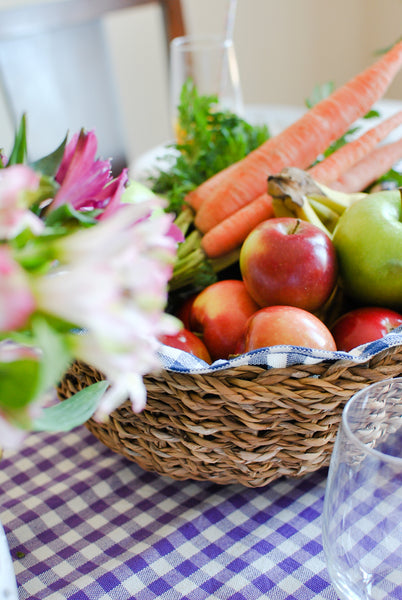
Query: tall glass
[362,519]
[209,61]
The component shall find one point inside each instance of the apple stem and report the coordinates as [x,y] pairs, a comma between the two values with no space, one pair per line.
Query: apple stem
[296,227]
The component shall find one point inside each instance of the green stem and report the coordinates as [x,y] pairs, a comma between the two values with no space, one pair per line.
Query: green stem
[192,267]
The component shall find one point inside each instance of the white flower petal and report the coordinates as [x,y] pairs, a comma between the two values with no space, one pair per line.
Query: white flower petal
[112,283]
[132,387]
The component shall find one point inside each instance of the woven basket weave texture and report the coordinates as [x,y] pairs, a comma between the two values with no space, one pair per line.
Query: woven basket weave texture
[247,425]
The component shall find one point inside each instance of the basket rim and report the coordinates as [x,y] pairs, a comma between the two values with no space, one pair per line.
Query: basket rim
[178,361]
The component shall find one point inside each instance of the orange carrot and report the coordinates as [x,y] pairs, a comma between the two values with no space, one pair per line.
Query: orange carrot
[230,233]
[301,143]
[370,168]
[332,167]
[195,198]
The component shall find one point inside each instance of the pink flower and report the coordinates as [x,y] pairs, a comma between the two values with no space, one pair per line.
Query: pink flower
[11,352]
[176,233]
[16,182]
[112,194]
[86,183]
[17,302]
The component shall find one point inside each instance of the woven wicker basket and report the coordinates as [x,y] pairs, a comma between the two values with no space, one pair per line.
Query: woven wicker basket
[246,425]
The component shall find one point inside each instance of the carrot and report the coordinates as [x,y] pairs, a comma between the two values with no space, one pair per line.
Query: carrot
[370,168]
[195,198]
[332,167]
[230,233]
[301,143]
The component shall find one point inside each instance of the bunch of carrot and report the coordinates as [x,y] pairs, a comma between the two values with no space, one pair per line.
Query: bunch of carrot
[232,202]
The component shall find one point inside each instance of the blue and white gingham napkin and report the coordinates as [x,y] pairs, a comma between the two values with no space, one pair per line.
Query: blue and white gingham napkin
[179,361]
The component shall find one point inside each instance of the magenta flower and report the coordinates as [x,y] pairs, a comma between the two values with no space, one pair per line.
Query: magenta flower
[112,194]
[86,183]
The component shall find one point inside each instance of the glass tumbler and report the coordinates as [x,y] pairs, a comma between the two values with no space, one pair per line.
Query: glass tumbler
[209,62]
[362,518]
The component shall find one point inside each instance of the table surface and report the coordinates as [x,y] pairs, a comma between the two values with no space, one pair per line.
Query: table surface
[85,523]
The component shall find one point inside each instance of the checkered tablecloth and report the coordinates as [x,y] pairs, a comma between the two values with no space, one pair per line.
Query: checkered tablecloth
[85,523]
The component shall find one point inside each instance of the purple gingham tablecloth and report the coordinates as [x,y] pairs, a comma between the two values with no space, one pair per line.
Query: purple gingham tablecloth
[85,523]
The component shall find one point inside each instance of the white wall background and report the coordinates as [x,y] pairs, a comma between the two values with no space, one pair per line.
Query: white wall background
[284,48]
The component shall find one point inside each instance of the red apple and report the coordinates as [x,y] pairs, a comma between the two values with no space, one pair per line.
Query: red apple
[364,325]
[189,342]
[219,313]
[183,311]
[283,325]
[289,262]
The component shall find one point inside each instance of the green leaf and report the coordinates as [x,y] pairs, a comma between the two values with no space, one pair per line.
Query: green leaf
[319,93]
[18,383]
[49,164]
[387,48]
[55,354]
[72,412]
[67,215]
[371,114]
[19,151]
[391,177]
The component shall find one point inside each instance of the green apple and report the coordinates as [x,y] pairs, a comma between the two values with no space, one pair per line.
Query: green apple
[368,240]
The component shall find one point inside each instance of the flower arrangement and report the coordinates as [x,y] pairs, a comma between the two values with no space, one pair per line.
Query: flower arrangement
[85,261]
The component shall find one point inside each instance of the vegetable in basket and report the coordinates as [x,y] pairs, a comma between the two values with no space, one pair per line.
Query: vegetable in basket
[212,247]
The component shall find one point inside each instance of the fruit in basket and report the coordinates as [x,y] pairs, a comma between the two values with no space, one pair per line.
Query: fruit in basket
[286,325]
[368,240]
[363,325]
[219,313]
[183,310]
[189,342]
[288,261]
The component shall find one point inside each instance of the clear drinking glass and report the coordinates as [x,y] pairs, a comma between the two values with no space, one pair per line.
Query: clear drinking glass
[362,519]
[210,62]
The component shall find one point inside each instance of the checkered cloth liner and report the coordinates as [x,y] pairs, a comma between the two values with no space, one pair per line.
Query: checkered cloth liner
[276,356]
[84,523]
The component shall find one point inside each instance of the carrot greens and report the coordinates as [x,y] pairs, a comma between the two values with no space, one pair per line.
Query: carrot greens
[209,141]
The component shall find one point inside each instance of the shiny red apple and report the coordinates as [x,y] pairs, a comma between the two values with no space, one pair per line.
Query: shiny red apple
[286,325]
[189,342]
[364,325]
[289,262]
[219,313]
